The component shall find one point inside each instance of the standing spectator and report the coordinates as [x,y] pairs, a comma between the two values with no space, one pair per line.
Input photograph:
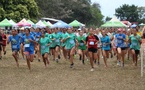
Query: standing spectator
[4,40]
[1,42]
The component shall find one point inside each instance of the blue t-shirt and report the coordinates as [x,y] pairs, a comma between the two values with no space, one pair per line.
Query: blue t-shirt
[28,45]
[15,42]
[37,36]
[105,43]
[120,40]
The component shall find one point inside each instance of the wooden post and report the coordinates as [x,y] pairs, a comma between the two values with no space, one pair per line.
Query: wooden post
[142,56]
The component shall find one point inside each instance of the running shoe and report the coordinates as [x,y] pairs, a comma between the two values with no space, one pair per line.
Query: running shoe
[71,66]
[5,52]
[92,70]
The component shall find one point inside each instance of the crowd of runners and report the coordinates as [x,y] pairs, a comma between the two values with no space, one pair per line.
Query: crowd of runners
[64,43]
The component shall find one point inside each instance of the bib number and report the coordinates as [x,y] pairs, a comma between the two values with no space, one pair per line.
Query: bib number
[14,46]
[134,44]
[27,45]
[81,44]
[119,41]
[43,47]
[91,43]
[37,39]
[72,42]
[57,41]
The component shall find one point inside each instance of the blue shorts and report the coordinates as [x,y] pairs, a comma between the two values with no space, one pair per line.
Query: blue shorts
[15,50]
[30,52]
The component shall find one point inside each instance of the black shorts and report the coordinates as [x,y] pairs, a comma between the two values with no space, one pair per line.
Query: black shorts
[93,50]
[136,51]
[54,47]
[44,54]
[110,46]
[124,48]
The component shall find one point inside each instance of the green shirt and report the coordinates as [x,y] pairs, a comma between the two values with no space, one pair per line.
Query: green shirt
[55,42]
[81,46]
[70,42]
[44,45]
[135,44]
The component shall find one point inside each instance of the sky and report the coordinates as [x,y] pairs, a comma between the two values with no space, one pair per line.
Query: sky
[108,6]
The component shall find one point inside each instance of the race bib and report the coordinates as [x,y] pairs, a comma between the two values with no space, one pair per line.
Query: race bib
[27,45]
[81,44]
[43,47]
[119,41]
[57,40]
[72,42]
[104,44]
[134,44]
[91,43]
[14,46]
[37,39]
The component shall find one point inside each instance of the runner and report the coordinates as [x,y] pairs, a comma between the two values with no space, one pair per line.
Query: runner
[135,40]
[15,40]
[44,48]
[92,42]
[22,34]
[37,36]
[70,40]
[105,40]
[121,46]
[81,40]
[99,35]
[29,42]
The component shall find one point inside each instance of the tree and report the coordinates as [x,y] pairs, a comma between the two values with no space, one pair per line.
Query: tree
[69,10]
[107,19]
[18,9]
[141,12]
[126,12]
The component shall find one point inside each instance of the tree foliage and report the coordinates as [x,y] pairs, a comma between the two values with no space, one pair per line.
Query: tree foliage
[18,9]
[69,10]
[126,12]
[131,13]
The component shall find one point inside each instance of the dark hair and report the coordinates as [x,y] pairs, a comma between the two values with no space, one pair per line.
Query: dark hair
[27,29]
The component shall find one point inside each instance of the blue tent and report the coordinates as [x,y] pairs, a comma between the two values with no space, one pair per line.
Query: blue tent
[60,24]
[133,26]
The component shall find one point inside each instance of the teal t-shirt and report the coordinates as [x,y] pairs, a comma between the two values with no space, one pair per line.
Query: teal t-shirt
[135,44]
[44,45]
[70,42]
[81,46]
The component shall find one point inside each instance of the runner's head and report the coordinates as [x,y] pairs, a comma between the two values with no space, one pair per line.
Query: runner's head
[91,31]
[103,33]
[69,30]
[27,30]
[43,34]
[134,31]
[120,30]
[81,33]
[13,32]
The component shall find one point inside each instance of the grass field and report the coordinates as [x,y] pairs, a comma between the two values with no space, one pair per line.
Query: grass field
[61,77]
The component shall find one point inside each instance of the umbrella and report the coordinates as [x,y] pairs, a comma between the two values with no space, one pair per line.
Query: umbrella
[32,23]
[13,23]
[23,22]
[60,24]
[76,23]
[133,26]
[114,22]
[40,24]
[49,23]
[141,24]
[5,23]
[46,23]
